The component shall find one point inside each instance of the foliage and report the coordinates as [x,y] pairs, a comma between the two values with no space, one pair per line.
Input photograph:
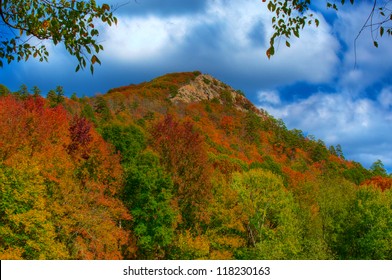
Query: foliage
[55,97]
[59,182]
[378,169]
[4,90]
[26,229]
[148,194]
[380,182]
[272,225]
[70,23]
[130,174]
[368,230]
[185,157]
[128,140]
[333,202]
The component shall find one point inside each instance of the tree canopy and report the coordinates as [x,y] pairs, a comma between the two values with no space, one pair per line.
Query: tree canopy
[132,174]
[25,27]
[291,16]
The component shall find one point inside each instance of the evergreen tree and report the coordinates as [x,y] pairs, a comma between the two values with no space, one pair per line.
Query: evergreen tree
[36,91]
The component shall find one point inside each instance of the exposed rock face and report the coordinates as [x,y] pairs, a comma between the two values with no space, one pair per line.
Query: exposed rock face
[206,87]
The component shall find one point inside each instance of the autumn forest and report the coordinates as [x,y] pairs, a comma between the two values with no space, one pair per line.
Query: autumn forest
[180,167]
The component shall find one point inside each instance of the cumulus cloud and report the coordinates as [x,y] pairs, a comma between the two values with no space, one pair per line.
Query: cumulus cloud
[356,112]
[224,37]
[385,98]
[269,97]
[361,125]
[140,39]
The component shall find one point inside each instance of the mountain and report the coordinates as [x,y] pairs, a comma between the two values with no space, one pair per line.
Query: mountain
[180,167]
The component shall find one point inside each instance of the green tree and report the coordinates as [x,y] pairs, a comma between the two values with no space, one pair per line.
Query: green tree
[332,150]
[23,91]
[60,94]
[368,229]
[74,97]
[378,169]
[4,90]
[339,151]
[101,107]
[52,98]
[291,16]
[272,223]
[334,201]
[88,112]
[36,91]
[70,23]
[128,140]
[148,194]
[56,96]
[252,125]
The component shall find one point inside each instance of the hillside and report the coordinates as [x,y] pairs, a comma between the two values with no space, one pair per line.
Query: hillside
[181,167]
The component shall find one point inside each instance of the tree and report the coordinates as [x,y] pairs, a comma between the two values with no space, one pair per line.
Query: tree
[272,223]
[378,169]
[52,97]
[36,91]
[184,155]
[367,231]
[60,94]
[23,91]
[128,140]
[148,194]
[4,90]
[59,186]
[339,151]
[55,97]
[292,16]
[70,23]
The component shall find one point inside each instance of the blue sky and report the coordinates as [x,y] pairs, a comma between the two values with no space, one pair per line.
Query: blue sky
[312,86]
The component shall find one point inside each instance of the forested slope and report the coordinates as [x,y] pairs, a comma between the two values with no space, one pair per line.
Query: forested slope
[181,167]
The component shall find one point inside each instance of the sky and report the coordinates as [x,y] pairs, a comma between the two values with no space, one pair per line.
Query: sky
[318,85]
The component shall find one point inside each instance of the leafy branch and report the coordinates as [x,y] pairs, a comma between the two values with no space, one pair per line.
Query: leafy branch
[71,23]
[290,17]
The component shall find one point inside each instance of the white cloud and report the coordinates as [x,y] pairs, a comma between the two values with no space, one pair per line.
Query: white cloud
[385,98]
[143,39]
[362,126]
[225,38]
[269,97]
[372,64]
[222,37]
